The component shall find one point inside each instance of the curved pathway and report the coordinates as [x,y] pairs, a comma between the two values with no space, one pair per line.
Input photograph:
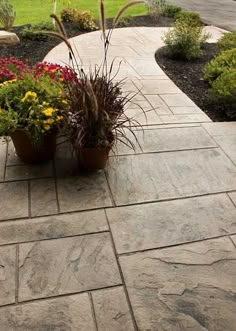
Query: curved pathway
[148,244]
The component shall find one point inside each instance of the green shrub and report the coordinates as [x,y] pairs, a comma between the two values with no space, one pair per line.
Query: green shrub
[190,18]
[184,41]
[228,41]
[171,11]
[7,15]
[124,21]
[83,18]
[224,88]
[223,62]
[33,32]
[156,7]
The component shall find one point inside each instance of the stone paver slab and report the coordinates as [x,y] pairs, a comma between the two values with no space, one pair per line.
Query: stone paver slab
[159,140]
[14,202]
[112,310]
[228,144]
[234,239]
[69,265]
[158,104]
[67,313]
[233,197]
[57,226]
[159,87]
[24,172]
[43,197]
[177,100]
[7,275]
[170,223]
[150,177]
[186,118]
[220,129]
[83,192]
[185,287]
[143,117]
[12,158]
[145,67]
[186,110]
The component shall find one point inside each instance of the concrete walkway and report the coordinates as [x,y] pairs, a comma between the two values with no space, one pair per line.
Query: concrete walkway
[148,244]
[221,13]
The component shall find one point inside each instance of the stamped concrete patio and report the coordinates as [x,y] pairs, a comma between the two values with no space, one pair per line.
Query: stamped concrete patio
[150,243]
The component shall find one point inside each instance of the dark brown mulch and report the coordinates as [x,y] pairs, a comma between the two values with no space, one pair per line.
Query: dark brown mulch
[189,78]
[35,51]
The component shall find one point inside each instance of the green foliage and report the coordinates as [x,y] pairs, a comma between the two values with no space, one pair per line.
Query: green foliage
[83,18]
[225,61]
[171,11]
[224,88]
[7,15]
[184,41]
[155,7]
[228,41]
[190,18]
[34,31]
[124,21]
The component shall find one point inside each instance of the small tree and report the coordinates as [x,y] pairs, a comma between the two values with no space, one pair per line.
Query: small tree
[7,14]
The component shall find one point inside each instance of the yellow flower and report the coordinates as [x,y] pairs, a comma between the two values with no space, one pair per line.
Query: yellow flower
[47,127]
[49,121]
[65,102]
[1,110]
[45,103]
[48,111]
[59,118]
[29,96]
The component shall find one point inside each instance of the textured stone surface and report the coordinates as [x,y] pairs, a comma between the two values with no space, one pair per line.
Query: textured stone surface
[111,310]
[149,177]
[186,110]
[172,222]
[12,158]
[143,117]
[177,100]
[186,287]
[8,38]
[234,239]
[233,197]
[70,313]
[14,200]
[57,226]
[23,172]
[185,118]
[175,139]
[64,266]
[228,144]
[161,86]
[220,129]
[83,192]
[7,275]
[43,197]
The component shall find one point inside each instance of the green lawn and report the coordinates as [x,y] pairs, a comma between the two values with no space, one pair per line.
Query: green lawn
[34,11]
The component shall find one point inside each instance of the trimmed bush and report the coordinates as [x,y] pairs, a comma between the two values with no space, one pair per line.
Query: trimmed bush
[228,41]
[33,32]
[190,18]
[224,88]
[7,15]
[171,11]
[225,61]
[184,42]
[83,18]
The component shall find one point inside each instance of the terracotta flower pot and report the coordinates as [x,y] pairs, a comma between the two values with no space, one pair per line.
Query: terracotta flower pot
[93,158]
[32,153]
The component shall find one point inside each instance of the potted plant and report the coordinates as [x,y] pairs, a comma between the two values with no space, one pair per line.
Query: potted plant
[31,111]
[95,116]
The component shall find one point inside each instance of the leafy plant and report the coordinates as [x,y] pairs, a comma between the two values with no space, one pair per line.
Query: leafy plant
[95,116]
[34,32]
[227,41]
[30,101]
[10,68]
[184,41]
[225,61]
[171,11]
[7,14]
[224,88]
[83,18]
[155,7]
[189,18]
